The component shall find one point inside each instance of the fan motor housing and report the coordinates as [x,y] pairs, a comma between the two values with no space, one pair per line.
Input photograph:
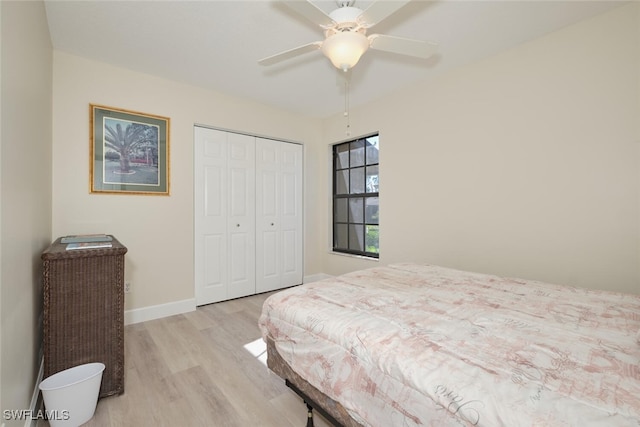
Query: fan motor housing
[346,19]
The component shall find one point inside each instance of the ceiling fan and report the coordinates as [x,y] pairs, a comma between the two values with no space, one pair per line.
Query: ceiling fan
[345,31]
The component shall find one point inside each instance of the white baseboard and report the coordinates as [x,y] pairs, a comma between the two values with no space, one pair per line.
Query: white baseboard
[35,397]
[315,277]
[153,312]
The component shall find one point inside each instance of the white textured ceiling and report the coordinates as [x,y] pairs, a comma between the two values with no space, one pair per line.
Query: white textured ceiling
[216,44]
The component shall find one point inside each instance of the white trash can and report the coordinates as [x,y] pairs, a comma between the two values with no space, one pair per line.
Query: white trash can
[70,396]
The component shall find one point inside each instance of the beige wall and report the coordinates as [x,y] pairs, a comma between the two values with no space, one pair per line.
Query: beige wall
[25,186]
[524,164]
[157,230]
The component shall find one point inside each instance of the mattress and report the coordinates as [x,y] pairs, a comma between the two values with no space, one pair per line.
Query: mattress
[421,345]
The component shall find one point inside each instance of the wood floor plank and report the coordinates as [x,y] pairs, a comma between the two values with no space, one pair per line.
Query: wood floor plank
[253,366]
[143,355]
[198,318]
[175,348]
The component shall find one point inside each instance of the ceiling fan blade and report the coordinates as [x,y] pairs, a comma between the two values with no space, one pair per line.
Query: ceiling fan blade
[310,11]
[379,10]
[287,54]
[410,47]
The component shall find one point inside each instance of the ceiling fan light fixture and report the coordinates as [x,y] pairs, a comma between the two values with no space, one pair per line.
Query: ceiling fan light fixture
[344,49]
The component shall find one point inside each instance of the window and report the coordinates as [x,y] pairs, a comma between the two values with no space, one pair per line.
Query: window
[356,204]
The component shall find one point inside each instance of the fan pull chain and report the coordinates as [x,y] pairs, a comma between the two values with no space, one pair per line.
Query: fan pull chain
[346,106]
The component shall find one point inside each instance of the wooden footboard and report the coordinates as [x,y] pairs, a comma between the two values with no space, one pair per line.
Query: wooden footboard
[309,393]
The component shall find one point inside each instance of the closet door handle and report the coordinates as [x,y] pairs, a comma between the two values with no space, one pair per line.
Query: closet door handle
[237,225]
[272,224]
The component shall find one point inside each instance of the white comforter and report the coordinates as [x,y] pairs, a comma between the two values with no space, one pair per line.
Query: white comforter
[417,345]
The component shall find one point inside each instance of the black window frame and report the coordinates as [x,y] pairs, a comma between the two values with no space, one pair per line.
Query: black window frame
[368,197]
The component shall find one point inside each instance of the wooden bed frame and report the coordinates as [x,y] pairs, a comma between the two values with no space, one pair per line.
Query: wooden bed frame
[333,411]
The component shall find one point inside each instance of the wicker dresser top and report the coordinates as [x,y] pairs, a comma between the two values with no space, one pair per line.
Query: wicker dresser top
[59,250]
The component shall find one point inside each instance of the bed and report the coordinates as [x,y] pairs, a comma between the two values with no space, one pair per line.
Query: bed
[421,345]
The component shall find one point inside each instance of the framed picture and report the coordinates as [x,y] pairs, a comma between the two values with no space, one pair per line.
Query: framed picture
[129,152]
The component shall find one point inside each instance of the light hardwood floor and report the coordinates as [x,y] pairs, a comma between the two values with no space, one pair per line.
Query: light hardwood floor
[193,369]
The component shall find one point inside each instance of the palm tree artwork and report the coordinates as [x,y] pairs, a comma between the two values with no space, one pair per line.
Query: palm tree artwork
[132,148]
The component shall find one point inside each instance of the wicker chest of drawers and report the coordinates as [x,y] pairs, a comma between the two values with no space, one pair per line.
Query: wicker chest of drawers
[84,311]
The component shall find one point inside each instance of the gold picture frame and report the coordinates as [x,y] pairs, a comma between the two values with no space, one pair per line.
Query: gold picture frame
[129,152]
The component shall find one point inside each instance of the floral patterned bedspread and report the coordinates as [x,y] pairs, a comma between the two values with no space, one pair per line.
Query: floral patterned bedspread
[420,345]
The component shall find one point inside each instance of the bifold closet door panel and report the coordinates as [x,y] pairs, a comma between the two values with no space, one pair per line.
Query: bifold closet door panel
[224,215]
[291,215]
[278,214]
[210,218]
[241,220]
[267,221]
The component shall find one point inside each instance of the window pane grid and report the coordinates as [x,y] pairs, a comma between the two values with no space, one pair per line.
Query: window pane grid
[355,197]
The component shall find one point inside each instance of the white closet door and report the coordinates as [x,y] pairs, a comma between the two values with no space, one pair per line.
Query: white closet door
[279,239]
[242,213]
[224,185]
